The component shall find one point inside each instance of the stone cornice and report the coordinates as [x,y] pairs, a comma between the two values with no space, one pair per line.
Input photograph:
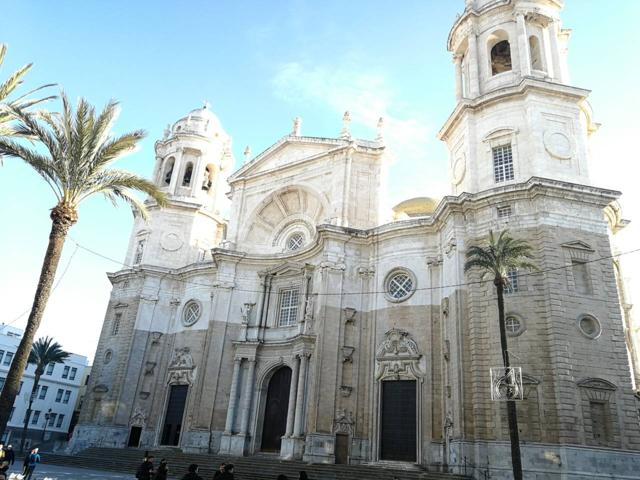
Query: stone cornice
[523,88]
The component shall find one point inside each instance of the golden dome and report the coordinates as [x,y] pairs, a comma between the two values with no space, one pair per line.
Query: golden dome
[415,207]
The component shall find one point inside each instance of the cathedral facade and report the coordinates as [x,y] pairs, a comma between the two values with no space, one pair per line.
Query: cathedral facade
[307,325]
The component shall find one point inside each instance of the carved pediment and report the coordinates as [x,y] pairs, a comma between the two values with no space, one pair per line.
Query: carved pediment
[398,357]
[181,369]
[579,245]
[287,269]
[597,383]
[289,149]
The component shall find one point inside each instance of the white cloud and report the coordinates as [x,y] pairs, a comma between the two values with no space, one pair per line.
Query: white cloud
[368,96]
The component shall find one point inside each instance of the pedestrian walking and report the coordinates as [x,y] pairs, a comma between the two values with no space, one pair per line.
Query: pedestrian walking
[145,470]
[192,473]
[228,472]
[219,472]
[4,463]
[10,455]
[162,472]
[34,459]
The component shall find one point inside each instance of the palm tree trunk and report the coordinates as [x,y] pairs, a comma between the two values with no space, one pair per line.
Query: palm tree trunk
[36,381]
[512,415]
[62,219]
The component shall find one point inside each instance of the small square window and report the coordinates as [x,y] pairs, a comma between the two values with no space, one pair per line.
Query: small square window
[35,417]
[65,372]
[67,395]
[60,420]
[504,211]
[59,395]
[43,392]
[7,358]
[50,368]
[512,282]
[72,376]
[503,163]
[581,278]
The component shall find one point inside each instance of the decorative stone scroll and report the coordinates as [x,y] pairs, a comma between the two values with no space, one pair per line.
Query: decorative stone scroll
[344,422]
[398,357]
[139,418]
[181,369]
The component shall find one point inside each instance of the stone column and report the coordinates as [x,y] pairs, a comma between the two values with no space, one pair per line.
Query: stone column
[292,397]
[298,425]
[457,61]
[554,46]
[474,71]
[523,45]
[233,394]
[248,396]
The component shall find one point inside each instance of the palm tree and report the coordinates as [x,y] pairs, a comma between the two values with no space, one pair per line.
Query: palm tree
[77,148]
[502,255]
[8,87]
[43,352]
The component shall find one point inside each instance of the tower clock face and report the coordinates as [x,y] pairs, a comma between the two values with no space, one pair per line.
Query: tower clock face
[558,144]
[171,241]
[459,169]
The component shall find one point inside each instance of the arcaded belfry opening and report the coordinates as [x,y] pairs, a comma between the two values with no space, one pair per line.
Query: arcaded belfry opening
[207,180]
[536,55]
[168,171]
[500,52]
[188,172]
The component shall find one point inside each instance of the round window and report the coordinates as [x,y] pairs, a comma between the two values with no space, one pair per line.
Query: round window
[295,241]
[400,286]
[513,325]
[191,313]
[589,326]
[108,356]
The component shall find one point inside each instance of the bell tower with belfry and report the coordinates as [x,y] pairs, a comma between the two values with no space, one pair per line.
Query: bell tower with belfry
[193,161]
[516,114]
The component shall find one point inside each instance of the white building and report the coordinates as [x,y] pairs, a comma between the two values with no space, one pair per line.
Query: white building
[309,325]
[56,396]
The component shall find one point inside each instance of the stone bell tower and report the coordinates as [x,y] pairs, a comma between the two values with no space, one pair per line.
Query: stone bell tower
[516,115]
[193,161]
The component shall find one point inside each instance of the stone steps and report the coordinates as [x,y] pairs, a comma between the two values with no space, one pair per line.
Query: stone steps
[259,467]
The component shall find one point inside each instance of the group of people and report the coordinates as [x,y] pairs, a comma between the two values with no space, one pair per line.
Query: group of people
[8,458]
[147,471]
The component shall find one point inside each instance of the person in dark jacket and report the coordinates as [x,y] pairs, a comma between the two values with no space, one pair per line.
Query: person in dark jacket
[192,473]
[219,472]
[146,470]
[303,475]
[228,472]
[10,455]
[34,459]
[162,472]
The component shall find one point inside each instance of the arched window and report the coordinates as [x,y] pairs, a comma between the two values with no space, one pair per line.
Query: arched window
[207,180]
[500,57]
[186,178]
[534,50]
[168,171]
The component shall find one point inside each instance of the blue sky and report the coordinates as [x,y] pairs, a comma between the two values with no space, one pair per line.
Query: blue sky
[260,64]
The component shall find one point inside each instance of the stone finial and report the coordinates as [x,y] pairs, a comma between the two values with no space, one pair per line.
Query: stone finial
[247,154]
[206,105]
[296,127]
[469,4]
[346,120]
[379,129]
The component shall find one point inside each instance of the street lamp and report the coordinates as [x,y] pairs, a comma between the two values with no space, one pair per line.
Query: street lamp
[46,422]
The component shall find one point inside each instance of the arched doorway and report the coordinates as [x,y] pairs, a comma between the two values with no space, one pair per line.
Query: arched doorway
[275,411]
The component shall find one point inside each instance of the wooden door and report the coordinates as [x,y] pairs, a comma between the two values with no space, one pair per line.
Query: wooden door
[173,417]
[342,448]
[398,421]
[275,412]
